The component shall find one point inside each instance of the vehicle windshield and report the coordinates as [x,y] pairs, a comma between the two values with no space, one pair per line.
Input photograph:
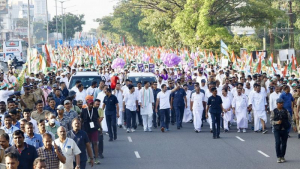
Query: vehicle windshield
[12,44]
[136,79]
[85,80]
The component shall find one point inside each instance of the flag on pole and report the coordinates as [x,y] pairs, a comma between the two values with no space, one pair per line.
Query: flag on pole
[224,48]
[48,63]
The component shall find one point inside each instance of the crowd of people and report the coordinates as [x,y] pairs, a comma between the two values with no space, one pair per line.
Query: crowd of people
[45,125]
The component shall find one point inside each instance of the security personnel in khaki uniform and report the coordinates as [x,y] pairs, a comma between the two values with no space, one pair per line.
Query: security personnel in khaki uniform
[28,98]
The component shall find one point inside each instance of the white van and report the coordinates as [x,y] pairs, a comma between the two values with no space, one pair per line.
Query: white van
[14,49]
[141,77]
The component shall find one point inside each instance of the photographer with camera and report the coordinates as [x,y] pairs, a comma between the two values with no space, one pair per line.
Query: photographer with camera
[281,121]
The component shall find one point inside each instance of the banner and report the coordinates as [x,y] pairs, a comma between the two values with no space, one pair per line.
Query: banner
[152,68]
[141,67]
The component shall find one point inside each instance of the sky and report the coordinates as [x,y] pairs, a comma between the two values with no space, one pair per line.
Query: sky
[92,9]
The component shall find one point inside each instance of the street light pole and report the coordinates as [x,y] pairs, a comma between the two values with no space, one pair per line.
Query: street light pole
[56,23]
[47,22]
[28,13]
[62,18]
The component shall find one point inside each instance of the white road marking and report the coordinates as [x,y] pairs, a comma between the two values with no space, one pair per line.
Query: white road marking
[239,138]
[129,139]
[137,154]
[264,154]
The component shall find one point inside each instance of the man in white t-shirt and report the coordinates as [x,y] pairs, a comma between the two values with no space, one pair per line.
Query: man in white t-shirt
[69,149]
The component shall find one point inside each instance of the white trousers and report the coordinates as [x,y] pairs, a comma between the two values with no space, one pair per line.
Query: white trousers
[197,113]
[209,121]
[147,121]
[120,119]
[227,118]
[257,116]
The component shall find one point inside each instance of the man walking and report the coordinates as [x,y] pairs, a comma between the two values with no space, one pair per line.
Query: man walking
[146,101]
[215,108]
[240,109]
[131,103]
[178,103]
[197,105]
[281,120]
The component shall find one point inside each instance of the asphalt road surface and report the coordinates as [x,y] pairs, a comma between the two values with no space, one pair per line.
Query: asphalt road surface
[185,149]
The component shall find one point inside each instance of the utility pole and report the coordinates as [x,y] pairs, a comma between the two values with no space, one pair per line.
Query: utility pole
[56,23]
[62,18]
[28,14]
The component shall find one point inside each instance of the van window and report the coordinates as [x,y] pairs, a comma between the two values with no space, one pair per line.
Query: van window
[12,44]
[136,79]
[85,80]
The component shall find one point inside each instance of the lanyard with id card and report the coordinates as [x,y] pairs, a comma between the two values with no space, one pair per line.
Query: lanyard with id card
[92,125]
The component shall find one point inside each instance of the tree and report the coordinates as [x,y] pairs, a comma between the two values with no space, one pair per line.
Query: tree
[39,31]
[74,24]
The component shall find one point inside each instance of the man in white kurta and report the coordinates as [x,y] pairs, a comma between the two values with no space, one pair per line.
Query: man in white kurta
[187,116]
[227,100]
[273,97]
[119,94]
[240,105]
[197,105]
[258,103]
[146,101]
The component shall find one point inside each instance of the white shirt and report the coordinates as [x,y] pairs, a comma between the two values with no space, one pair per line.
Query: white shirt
[198,100]
[90,91]
[164,99]
[130,101]
[119,96]
[75,89]
[69,148]
[258,101]
[4,95]
[101,96]
[226,101]
[34,123]
[81,96]
[272,100]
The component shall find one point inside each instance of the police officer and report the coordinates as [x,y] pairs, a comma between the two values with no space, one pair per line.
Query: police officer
[178,103]
[281,120]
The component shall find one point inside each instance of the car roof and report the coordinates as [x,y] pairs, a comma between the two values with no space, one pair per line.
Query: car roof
[86,74]
[140,74]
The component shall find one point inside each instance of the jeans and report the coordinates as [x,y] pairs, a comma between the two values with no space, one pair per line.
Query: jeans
[111,121]
[179,110]
[281,137]
[173,116]
[139,116]
[164,118]
[155,118]
[215,117]
[130,115]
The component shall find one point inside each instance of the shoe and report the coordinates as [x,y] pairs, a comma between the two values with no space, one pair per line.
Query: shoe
[140,125]
[279,160]
[120,126]
[115,138]
[145,130]
[265,131]
[191,121]
[101,156]
[298,136]
[97,161]
[244,130]
[211,131]
[178,128]
[239,131]
[196,131]
[214,137]
[282,159]
[289,136]
[107,133]
[218,137]
[89,160]
[162,129]
[150,130]
[202,125]
[132,130]
[173,124]
[110,140]
[168,129]
[128,131]
[226,131]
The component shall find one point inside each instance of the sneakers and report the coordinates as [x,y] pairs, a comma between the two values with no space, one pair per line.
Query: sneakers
[226,131]
[128,131]
[282,159]
[244,131]
[168,129]
[162,129]
[279,160]
[265,131]
[239,130]
[132,130]
[97,161]
[150,130]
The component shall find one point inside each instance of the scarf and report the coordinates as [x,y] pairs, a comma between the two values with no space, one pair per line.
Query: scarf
[146,97]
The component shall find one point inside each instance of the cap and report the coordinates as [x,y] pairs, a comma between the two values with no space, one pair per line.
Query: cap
[79,101]
[60,107]
[280,100]
[203,81]
[72,93]
[58,77]
[67,101]
[54,85]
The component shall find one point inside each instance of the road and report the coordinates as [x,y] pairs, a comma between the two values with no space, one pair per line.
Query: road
[185,149]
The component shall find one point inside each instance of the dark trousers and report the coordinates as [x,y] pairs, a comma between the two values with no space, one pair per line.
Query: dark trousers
[173,115]
[100,145]
[281,137]
[111,121]
[155,118]
[130,119]
[179,110]
[82,164]
[215,117]
[164,118]
[140,120]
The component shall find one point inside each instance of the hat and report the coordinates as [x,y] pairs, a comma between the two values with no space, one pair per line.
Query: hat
[57,77]
[79,101]
[280,100]
[90,101]
[89,97]
[72,93]
[67,101]
[60,107]
[203,81]
[294,84]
